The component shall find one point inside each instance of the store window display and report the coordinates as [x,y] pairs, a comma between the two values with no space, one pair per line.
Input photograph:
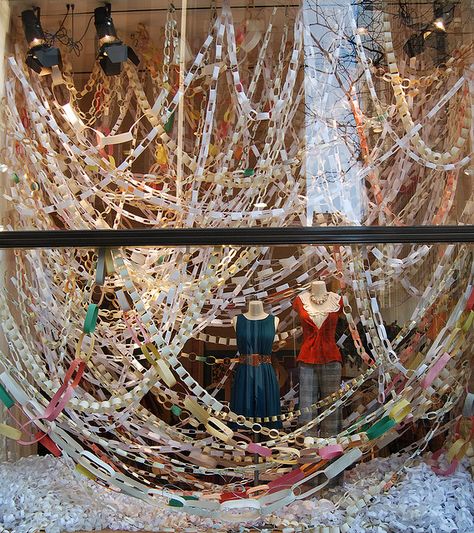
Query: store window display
[255,390]
[275,119]
[319,359]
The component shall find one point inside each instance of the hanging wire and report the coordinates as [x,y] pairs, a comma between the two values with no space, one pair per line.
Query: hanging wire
[62,36]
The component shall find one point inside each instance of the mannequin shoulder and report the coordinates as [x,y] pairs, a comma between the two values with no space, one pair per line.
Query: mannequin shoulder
[277,321]
[234,321]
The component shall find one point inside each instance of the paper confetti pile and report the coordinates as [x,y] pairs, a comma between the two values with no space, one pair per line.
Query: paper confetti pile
[48,494]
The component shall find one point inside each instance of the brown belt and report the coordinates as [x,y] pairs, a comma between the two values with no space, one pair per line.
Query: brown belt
[254,359]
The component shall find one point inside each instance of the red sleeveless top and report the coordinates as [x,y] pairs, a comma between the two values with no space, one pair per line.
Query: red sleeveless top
[319,344]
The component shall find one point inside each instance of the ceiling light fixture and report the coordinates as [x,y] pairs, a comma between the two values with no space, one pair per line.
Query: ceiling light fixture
[439,24]
[41,57]
[112,51]
[444,13]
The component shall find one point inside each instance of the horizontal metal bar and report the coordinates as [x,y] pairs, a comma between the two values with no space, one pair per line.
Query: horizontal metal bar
[236,236]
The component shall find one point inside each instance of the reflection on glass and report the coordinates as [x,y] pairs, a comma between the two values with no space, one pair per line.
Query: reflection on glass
[189,370]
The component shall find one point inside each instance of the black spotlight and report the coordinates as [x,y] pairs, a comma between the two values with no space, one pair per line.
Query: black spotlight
[41,57]
[444,13]
[112,51]
[429,33]
[415,45]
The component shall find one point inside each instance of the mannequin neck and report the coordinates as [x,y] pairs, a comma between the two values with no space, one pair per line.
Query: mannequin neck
[318,289]
[255,311]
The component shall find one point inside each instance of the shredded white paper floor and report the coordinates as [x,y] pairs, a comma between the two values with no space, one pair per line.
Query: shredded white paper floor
[44,493]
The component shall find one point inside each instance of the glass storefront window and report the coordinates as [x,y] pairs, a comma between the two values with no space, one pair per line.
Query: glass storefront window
[227,372]
[257,346]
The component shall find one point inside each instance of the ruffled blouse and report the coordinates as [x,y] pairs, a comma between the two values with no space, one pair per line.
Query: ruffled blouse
[319,343]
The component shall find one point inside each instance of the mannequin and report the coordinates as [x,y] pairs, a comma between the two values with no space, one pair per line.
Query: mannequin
[318,289]
[321,301]
[255,390]
[320,360]
[255,311]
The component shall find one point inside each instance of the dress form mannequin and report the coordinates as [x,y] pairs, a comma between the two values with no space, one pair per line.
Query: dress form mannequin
[255,391]
[319,357]
[255,311]
[319,302]
[318,289]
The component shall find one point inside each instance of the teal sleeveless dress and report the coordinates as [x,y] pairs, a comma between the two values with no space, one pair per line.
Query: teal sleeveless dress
[255,391]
